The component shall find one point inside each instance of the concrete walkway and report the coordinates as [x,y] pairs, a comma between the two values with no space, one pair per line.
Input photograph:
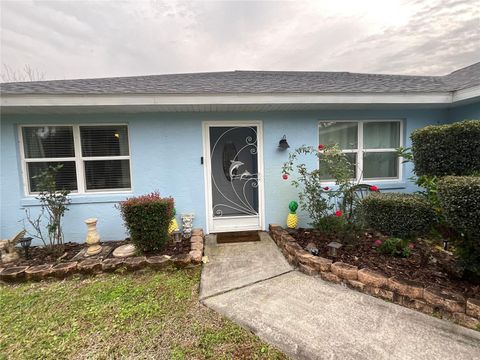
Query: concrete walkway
[307,318]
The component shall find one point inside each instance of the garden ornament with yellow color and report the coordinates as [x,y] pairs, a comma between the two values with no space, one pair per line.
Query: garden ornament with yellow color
[173,224]
[292,218]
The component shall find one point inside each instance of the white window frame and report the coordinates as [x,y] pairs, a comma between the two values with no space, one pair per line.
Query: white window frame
[361,151]
[78,158]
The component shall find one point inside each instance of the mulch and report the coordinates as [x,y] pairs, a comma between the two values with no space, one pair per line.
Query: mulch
[425,264]
[39,255]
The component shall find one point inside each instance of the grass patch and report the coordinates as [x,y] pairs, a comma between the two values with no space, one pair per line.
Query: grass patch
[147,315]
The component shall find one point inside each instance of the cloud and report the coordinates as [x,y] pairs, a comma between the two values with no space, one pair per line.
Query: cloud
[72,39]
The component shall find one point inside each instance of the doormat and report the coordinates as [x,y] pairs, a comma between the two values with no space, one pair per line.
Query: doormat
[238,236]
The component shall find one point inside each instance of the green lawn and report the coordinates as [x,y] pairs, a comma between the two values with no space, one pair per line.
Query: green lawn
[154,315]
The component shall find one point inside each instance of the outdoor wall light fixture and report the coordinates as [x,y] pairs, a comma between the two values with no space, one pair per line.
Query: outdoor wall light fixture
[283,144]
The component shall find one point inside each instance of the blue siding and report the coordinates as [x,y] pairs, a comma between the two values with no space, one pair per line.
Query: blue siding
[165,156]
[465,112]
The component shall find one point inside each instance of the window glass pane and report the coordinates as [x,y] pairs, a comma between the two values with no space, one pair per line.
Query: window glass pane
[380,165]
[342,133]
[107,174]
[104,140]
[381,135]
[48,141]
[352,157]
[66,176]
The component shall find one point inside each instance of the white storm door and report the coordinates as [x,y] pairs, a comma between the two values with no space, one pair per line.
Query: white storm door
[234,165]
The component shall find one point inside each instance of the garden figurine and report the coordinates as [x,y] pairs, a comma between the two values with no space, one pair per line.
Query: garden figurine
[292,218]
[173,224]
[7,248]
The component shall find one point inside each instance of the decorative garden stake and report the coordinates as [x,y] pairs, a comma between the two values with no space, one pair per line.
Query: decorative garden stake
[445,244]
[93,238]
[292,218]
[177,236]
[333,248]
[187,225]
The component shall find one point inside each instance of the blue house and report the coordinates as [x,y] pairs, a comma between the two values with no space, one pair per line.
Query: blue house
[210,140]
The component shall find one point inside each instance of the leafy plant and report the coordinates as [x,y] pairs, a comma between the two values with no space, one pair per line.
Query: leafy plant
[397,214]
[459,197]
[147,219]
[452,149]
[395,247]
[319,201]
[54,204]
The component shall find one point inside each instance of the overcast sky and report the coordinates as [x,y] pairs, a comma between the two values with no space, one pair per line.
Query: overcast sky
[74,39]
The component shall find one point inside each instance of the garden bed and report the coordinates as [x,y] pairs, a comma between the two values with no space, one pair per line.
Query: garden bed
[43,264]
[419,282]
[426,264]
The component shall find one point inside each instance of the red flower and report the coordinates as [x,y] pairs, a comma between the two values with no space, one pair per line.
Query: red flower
[374,188]
[321,147]
[338,213]
[285,176]
[326,188]
[377,242]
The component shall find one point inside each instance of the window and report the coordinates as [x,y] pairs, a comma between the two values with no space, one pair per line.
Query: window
[369,144]
[94,157]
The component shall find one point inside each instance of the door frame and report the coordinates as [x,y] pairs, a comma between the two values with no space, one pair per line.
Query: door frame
[208,178]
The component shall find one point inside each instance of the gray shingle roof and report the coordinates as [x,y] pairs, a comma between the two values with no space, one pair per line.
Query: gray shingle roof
[252,82]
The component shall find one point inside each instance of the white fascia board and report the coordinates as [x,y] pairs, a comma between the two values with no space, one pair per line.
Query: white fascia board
[465,94]
[242,99]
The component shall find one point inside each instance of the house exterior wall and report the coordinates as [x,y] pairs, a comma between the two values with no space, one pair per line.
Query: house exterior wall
[166,149]
[465,112]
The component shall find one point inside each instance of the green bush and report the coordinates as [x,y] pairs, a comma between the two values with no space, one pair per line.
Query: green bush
[452,149]
[459,198]
[147,219]
[395,247]
[397,214]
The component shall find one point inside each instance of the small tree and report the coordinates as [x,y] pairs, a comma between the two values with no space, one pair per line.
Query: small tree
[319,201]
[54,204]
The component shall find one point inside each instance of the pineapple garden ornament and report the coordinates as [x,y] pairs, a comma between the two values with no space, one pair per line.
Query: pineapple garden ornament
[173,224]
[292,218]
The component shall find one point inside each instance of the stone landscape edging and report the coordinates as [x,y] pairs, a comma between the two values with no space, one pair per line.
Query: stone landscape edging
[13,274]
[431,300]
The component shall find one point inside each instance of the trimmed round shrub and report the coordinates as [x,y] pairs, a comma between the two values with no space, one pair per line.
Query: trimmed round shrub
[398,214]
[452,149]
[147,219]
[459,198]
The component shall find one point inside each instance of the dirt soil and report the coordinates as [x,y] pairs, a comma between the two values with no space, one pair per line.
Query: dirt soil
[39,255]
[426,264]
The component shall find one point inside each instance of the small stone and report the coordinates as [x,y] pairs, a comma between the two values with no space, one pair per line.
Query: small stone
[112,264]
[320,263]
[307,270]
[357,285]
[196,256]
[135,263]
[465,320]
[312,249]
[448,300]
[38,272]
[379,292]
[124,251]
[197,232]
[409,288]
[196,239]
[196,246]
[159,262]
[419,305]
[181,260]
[14,273]
[64,269]
[90,266]
[372,278]
[328,276]
[345,271]
[303,256]
[473,308]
